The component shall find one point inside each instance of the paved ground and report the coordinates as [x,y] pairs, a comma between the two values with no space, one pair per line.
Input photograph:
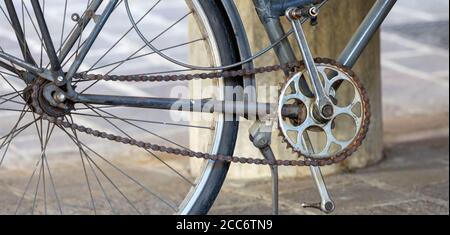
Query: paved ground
[412,180]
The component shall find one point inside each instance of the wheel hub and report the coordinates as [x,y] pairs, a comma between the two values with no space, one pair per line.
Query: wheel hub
[45,95]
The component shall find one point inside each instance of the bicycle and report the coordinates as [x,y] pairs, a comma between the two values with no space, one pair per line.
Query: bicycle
[46,77]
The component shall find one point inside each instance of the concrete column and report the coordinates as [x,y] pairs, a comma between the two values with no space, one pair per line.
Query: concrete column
[337,22]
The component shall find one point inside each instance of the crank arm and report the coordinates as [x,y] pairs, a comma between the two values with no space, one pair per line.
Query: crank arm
[326,205]
[324,105]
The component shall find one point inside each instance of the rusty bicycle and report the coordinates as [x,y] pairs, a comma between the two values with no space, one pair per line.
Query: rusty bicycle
[133,107]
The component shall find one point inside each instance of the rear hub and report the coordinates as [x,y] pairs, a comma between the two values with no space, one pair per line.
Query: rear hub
[43,97]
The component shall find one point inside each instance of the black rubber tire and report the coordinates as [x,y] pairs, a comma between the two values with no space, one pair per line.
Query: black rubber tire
[229,53]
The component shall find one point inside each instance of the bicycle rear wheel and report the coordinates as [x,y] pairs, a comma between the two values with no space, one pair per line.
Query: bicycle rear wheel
[70,173]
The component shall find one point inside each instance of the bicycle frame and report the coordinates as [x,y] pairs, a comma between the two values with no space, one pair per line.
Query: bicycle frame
[269,12]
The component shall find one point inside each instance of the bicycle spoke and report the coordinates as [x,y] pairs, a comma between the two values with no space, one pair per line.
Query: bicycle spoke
[148,151]
[136,52]
[142,121]
[17,131]
[10,67]
[99,168]
[52,181]
[19,204]
[37,188]
[144,55]
[102,188]
[11,136]
[11,100]
[63,27]
[43,140]
[147,131]
[171,205]
[123,36]
[80,149]
[10,74]
[12,86]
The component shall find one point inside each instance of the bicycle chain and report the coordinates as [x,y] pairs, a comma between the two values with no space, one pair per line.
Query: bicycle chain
[292,67]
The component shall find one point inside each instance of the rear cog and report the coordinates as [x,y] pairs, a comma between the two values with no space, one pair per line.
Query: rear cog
[318,139]
[41,104]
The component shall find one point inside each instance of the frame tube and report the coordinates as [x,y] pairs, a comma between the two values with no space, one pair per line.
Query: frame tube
[366,31]
[75,35]
[15,23]
[88,44]
[239,108]
[48,42]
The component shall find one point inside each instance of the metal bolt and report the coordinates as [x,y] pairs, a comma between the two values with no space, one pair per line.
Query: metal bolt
[327,111]
[60,97]
[314,11]
[60,79]
[75,17]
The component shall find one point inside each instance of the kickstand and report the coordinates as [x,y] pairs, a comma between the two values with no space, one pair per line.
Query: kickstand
[261,135]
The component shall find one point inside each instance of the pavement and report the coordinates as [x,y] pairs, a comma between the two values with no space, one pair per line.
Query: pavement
[413,178]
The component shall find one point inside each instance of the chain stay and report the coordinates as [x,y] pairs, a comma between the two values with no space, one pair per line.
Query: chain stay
[292,67]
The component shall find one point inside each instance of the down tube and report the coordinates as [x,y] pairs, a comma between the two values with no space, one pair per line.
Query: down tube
[366,31]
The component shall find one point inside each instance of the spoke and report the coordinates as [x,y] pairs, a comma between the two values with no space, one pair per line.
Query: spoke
[14,88]
[147,131]
[148,151]
[11,137]
[43,140]
[37,188]
[21,41]
[27,186]
[142,121]
[42,41]
[123,36]
[9,94]
[102,188]
[122,172]
[11,100]
[10,74]
[11,67]
[81,34]
[63,27]
[13,110]
[136,52]
[72,31]
[25,9]
[144,55]
[47,139]
[18,131]
[81,151]
[99,168]
[52,181]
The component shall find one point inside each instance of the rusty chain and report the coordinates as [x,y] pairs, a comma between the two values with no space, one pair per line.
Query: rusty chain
[292,67]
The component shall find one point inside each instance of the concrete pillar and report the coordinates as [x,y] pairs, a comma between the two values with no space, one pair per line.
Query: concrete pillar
[337,22]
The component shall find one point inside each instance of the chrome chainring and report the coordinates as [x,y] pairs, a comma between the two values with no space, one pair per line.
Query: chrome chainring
[312,137]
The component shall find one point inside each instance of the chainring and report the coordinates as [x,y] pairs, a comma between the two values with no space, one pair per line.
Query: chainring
[328,144]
